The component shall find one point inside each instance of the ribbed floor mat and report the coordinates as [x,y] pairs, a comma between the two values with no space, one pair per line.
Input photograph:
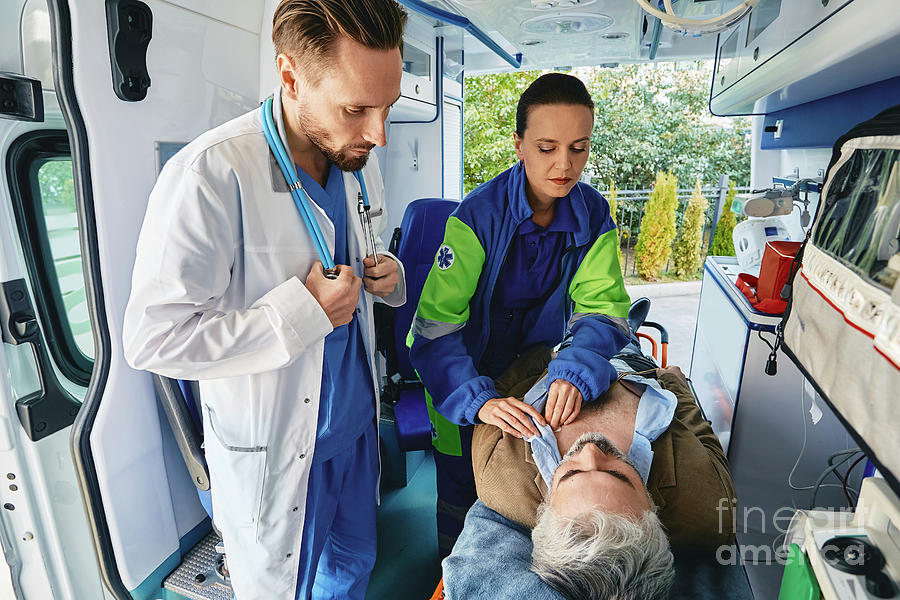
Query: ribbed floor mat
[196,578]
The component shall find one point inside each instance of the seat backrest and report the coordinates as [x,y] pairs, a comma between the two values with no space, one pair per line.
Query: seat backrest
[421,233]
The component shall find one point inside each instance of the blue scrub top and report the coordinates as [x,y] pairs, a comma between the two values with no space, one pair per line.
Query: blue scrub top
[347,400]
[528,276]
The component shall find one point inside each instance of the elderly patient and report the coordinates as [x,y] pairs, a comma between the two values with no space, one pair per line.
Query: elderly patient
[606,494]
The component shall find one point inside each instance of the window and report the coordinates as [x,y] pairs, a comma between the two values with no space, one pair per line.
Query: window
[57,187]
[762,15]
[861,219]
[42,184]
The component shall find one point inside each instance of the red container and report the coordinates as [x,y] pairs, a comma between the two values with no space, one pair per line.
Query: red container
[764,293]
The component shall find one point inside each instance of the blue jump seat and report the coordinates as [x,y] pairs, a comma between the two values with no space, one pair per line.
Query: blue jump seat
[415,243]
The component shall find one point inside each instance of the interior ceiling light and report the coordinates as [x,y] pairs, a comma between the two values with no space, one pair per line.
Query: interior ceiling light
[532,42]
[567,23]
[614,35]
[670,19]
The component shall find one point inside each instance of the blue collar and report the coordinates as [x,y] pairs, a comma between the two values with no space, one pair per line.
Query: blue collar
[563,220]
[521,209]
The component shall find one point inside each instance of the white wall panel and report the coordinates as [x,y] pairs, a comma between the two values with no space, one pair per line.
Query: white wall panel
[203,72]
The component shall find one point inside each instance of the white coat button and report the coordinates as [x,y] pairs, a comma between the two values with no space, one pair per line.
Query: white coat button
[295,509]
[357,259]
[358,311]
[302,456]
[306,400]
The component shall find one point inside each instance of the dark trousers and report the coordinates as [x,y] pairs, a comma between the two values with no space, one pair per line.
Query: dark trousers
[455,491]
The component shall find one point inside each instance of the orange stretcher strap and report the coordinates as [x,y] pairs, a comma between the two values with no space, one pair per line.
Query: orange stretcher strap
[439,592]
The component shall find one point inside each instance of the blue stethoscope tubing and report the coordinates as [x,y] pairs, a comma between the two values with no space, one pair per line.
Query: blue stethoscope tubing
[301,200]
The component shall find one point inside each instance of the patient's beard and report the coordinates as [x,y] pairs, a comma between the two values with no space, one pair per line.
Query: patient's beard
[598,439]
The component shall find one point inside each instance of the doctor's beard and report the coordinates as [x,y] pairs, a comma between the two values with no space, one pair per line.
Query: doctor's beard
[322,140]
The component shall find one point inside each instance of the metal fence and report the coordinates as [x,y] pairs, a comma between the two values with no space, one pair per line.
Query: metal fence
[630,206]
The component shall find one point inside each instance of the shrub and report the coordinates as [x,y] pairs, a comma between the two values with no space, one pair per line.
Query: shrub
[658,228]
[689,246]
[613,212]
[723,241]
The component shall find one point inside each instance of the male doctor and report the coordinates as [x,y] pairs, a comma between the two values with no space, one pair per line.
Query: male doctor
[228,289]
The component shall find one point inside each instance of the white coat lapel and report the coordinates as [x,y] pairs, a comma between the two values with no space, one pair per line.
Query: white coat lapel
[324,222]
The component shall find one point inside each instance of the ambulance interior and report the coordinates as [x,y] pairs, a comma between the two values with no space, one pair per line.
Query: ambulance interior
[103,463]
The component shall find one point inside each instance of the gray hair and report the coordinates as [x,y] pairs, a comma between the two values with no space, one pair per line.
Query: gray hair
[603,555]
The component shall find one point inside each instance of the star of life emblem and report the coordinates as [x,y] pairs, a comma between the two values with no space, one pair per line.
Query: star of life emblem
[445,257]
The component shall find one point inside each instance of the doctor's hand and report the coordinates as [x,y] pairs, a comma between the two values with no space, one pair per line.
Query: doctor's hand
[337,297]
[563,403]
[380,279]
[511,415]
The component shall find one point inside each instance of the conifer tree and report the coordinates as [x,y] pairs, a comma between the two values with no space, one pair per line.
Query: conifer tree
[658,229]
[723,241]
[689,246]
[611,198]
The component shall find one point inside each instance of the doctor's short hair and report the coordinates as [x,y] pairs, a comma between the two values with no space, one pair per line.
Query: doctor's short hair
[603,556]
[551,88]
[305,30]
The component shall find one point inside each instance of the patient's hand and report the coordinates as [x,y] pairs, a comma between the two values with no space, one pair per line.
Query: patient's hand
[672,370]
[563,403]
[511,415]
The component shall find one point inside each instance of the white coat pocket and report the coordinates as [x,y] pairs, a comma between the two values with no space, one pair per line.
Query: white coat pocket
[237,475]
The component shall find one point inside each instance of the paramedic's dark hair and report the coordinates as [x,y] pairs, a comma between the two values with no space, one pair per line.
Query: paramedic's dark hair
[305,30]
[552,88]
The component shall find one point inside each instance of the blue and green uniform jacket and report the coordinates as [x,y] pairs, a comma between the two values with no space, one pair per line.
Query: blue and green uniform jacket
[452,325]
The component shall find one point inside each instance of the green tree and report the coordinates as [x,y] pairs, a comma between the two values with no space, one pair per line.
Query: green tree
[654,245]
[490,121]
[689,246]
[611,195]
[655,117]
[648,118]
[723,241]
[57,185]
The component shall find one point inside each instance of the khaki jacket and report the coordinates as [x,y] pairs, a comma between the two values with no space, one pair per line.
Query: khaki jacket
[689,479]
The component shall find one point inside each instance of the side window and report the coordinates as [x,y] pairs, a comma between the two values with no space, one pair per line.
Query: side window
[42,181]
[861,218]
[57,186]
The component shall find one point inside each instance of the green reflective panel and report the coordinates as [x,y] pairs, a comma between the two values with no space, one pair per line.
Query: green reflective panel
[57,187]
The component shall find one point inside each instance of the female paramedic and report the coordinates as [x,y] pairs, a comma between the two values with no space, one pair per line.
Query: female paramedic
[525,258]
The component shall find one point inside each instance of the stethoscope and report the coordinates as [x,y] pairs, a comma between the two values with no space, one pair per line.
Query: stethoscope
[301,198]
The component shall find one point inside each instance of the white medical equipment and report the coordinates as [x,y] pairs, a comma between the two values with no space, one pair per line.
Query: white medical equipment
[750,238]
[685,25]
[853,553]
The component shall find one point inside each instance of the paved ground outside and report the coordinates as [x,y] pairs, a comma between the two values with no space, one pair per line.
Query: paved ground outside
[674,305]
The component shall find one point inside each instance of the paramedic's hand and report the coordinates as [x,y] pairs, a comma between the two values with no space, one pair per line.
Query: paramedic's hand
[511,415]
[563,403]
[381,279]
[337,297]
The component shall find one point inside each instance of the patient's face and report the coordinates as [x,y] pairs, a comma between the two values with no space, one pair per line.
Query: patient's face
[595,474]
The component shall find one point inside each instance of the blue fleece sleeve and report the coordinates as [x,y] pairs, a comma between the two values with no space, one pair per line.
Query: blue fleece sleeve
[449,375]
[585,362]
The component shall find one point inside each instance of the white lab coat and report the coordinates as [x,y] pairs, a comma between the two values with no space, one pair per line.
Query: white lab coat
[218,296]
